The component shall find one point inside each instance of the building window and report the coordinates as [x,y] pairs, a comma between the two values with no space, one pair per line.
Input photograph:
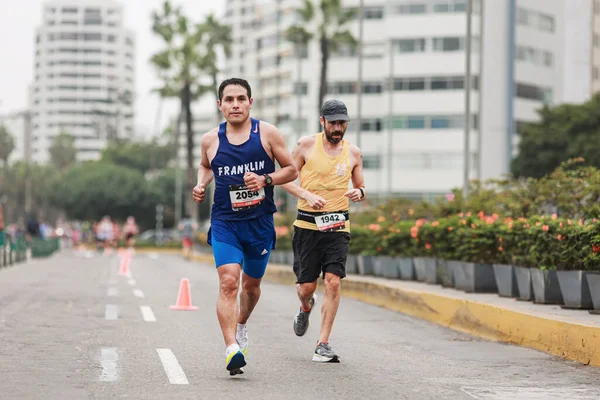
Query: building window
[91,37]
[372,125]
[372,87]
[69,10]
[411,9]
[372,161]
[532,92]
[409,45]
[416,122]
[546,23]
[448,44]
[596,73]
[373,12]
[523,16]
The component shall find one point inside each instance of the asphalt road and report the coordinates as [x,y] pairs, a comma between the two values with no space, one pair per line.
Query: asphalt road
[72,328]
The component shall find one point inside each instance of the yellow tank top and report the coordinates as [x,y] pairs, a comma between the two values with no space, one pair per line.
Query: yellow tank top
[326,176]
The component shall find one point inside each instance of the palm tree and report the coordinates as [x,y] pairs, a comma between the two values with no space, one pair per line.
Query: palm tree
[181,66]
[331,32]
[216,36]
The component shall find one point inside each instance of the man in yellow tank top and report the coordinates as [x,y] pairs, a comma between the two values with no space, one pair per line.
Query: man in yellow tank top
[326,163]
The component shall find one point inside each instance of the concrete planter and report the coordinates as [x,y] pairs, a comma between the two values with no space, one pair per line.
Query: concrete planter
[351,264]
[405,268]
[474,278]
[574,289]
[444,273]
[524,284]
[546,289]
[276,257]
[593,280]
[426,270]
[385,266]
[365,264]
[506,281]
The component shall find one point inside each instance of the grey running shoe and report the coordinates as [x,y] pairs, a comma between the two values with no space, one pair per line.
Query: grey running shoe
[324,354]
[301,320]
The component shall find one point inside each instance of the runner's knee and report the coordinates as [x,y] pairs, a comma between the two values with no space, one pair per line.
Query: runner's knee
[332,282]
[229,285]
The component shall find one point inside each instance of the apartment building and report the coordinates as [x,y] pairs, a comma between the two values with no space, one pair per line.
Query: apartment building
[412,125]
[84,76]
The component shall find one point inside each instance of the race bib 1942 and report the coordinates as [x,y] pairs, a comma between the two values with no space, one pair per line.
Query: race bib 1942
[243,199]
[330,222]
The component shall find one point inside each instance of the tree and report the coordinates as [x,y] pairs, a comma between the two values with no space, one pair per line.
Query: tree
[139,156]
[95,189]
[62,151]
[330,21]
[180,65]
[564,132]
[215,36]
[7,145]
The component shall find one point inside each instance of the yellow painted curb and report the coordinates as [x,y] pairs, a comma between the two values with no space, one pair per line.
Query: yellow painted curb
[568,340]
[571,341]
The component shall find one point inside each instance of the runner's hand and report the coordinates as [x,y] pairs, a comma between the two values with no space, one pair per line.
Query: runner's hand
[354,195]
[315,201]
[254,182]
[199,193]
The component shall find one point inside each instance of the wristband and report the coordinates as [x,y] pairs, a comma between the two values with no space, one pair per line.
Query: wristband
[362,193]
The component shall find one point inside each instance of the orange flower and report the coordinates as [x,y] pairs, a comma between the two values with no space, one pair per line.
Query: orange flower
[411,211]
[435,223]
[580,222]
[473,226]
[380,219]
[420,222]
[500,240]
[427,246]
[375,227]
[554,216]
[379,248]
[450,229]
[414,231]
[559,237]
[538,223]
[545,228]
[500,248]
[569,221]
[561,224]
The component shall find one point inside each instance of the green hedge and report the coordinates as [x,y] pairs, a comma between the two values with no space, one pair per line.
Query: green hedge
[546,242]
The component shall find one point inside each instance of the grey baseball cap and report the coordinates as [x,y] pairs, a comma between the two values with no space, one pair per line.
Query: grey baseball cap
[334,110]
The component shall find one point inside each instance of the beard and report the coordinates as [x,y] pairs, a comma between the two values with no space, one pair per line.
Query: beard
[329,135]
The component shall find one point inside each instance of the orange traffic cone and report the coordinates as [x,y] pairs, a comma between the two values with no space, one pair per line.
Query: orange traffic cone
[184,298]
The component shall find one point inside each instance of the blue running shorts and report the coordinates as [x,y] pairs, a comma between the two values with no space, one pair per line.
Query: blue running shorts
[248,243]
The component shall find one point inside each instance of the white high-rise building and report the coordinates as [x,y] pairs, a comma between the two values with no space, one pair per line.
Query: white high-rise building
[412,121]
[84,76]
[595,73]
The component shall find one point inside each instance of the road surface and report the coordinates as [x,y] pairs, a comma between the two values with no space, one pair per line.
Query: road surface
[72,328]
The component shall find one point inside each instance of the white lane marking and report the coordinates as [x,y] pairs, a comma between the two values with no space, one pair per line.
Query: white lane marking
[147,314]
[108,360]
[112,292]
[138,293]
[131,282]
[172,368]
[111,312]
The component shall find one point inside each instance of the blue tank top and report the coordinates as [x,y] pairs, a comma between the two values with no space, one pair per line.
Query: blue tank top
[232,201]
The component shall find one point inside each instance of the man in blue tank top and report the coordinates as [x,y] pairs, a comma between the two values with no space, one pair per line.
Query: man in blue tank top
[240,155]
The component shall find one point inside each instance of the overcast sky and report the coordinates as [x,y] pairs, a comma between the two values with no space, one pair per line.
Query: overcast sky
[19,19]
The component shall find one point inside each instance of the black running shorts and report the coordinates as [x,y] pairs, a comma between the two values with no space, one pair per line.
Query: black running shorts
[316,253]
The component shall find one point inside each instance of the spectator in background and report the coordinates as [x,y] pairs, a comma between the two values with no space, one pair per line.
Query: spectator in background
[130,229]
[187,226]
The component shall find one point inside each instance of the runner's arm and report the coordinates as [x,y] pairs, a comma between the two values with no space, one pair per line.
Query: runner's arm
[298,157]
[205,173]
[287,171]
[358,180]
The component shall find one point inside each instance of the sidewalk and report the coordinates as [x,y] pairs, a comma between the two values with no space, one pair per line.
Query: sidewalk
[571,334]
